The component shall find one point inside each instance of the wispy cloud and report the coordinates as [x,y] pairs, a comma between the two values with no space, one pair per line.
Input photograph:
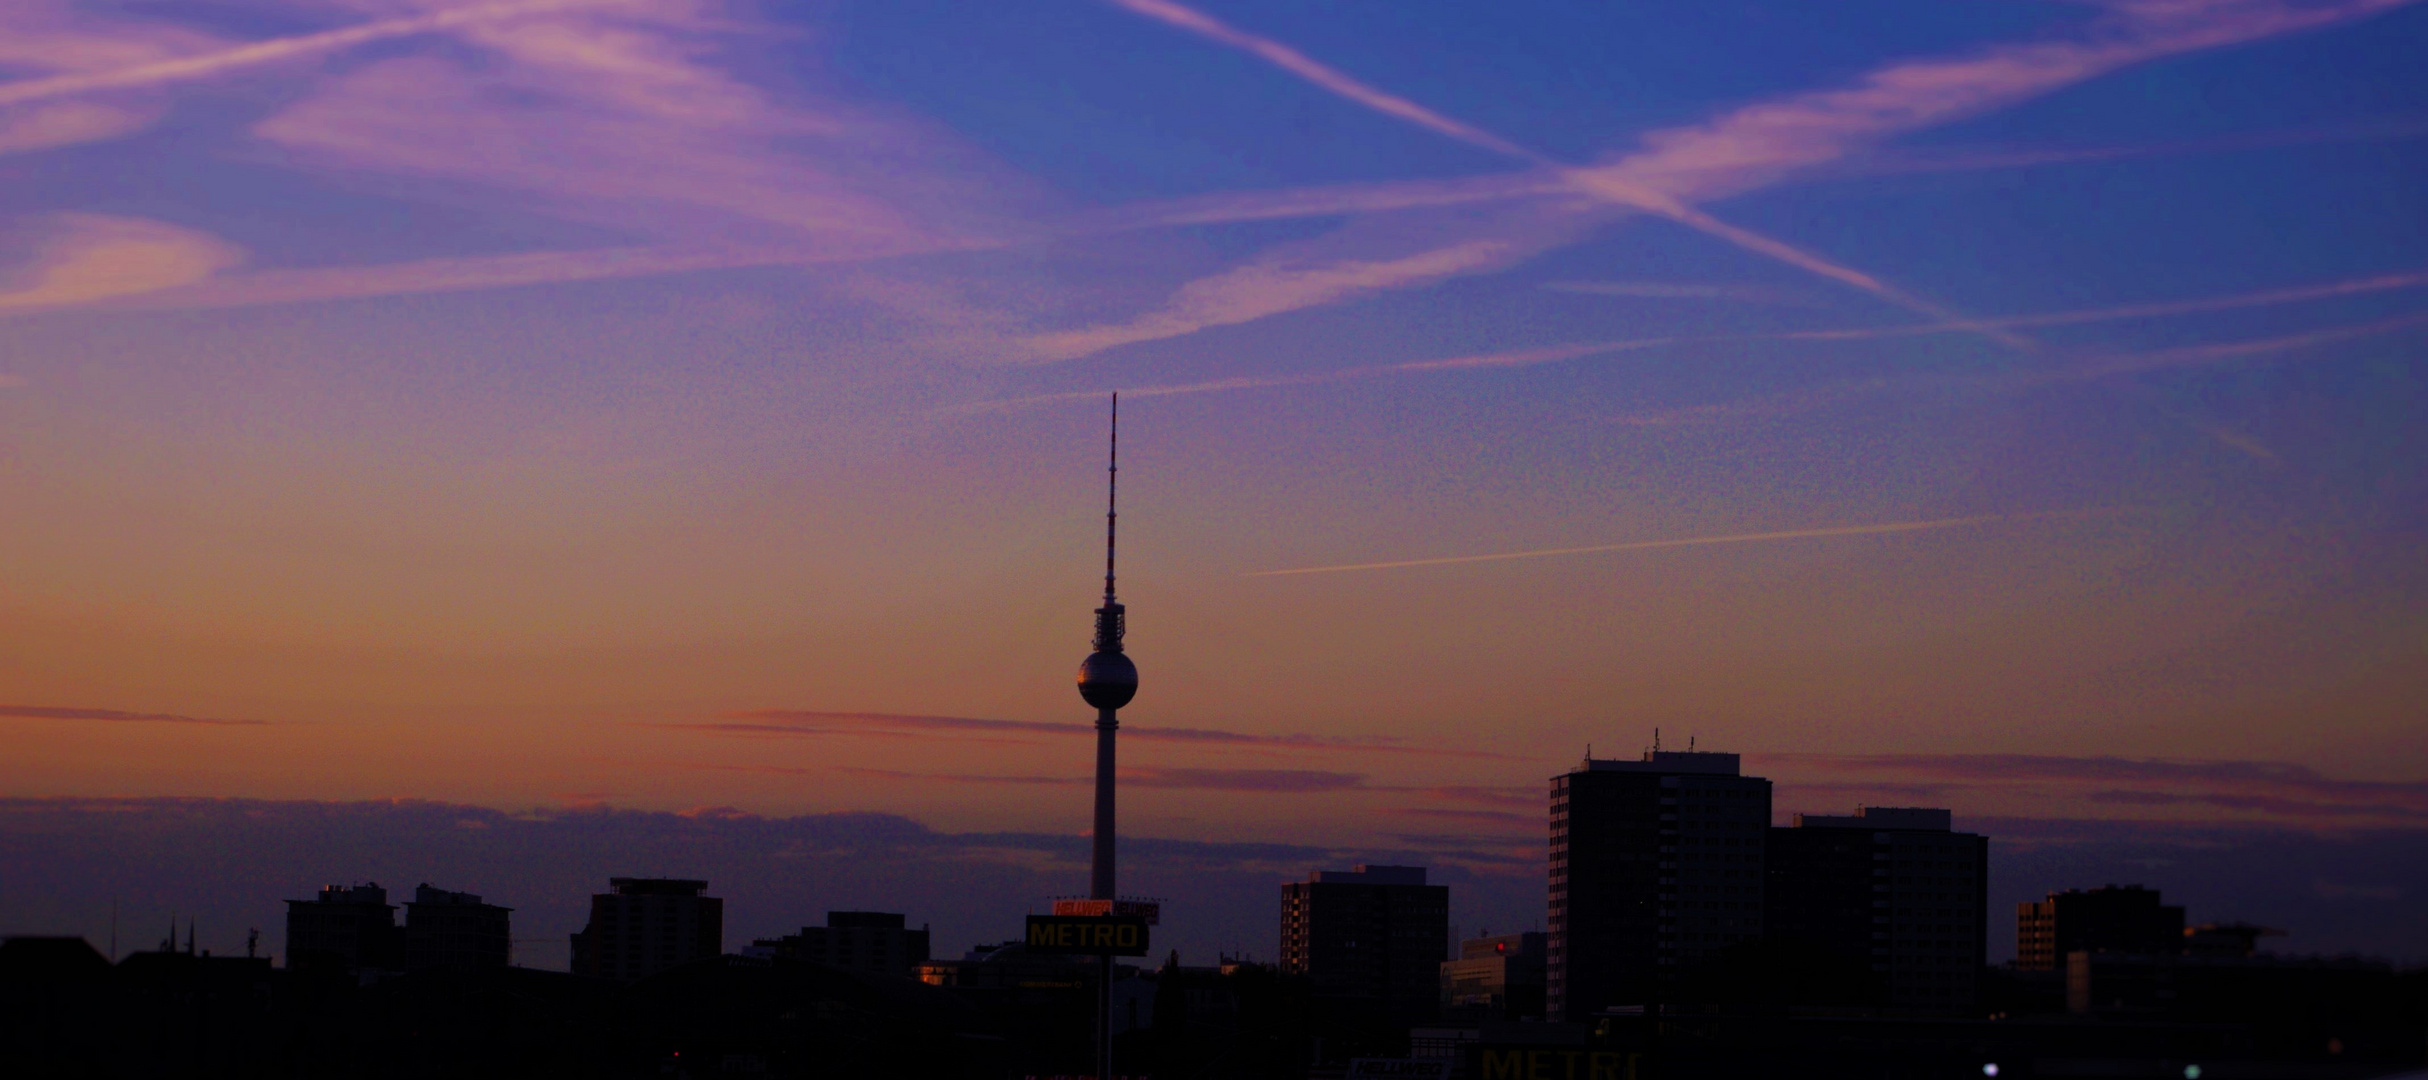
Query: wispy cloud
[2275,790]
[1680,290]
[1270,286]
[115,716]
[2409,279]
[1484,817]
[1267,781]
[222,61]
[802,722]
[68,123]
[1767,142]
[1654,545]
[93,257]
[2081,368]
[1973,159]
[1617,186]
[620,113]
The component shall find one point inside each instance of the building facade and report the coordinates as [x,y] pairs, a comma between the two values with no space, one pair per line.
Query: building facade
[1655,865]
[1376,933]
[455,931]
[1894,891]
[1496,977]
[2127,919]
[346,926]
[643,926]
[871,941]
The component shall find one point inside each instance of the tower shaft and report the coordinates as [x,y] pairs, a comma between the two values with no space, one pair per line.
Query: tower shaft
[1100,866]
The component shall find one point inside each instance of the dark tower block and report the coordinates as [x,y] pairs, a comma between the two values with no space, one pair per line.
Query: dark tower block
[1655,865]
[1372,937]
[1892,896]
[643,926]
[456,931]
[352,927]
[2127,919]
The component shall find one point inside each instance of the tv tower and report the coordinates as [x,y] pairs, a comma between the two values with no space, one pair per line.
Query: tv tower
[1107,679]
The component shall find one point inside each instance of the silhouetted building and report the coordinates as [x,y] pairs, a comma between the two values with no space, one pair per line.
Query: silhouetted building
[643,926]
[2227,940]
[1497,977]
[2111,919]
[347,926]
[874,941]
[455,931]
[2349,1007]
[1374,934]
[1894,889]
[1655,865]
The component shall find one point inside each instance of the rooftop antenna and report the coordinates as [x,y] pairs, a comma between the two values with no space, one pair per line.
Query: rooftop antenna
[1656,740]
[1690,744]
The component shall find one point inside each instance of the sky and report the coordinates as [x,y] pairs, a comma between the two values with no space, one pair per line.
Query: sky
[694,410]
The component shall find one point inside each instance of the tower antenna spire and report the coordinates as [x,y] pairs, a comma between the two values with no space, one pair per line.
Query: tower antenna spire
[1112,493]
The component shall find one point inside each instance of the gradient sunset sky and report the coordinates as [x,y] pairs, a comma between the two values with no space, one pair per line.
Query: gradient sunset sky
[668,404]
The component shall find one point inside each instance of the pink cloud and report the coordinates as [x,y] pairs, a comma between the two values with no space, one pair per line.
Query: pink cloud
[1270,781]
[67,123]
[94,257]
[115,716]
[800,722]
[2271,790]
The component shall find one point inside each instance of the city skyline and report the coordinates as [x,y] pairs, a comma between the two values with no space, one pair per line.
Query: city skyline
[560,407]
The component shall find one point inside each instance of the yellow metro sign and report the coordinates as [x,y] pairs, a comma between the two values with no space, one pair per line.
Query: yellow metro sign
[1091,935]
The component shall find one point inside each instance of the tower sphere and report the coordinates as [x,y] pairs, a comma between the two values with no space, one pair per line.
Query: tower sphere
[1108,680]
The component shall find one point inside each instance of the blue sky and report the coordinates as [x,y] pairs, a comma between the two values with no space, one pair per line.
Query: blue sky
[666,404]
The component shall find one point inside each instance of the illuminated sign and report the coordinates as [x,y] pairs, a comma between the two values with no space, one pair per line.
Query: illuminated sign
[1150,910]
[1553,1063]
[1091,935]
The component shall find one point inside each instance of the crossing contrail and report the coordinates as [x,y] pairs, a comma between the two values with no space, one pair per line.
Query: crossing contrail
[275,49]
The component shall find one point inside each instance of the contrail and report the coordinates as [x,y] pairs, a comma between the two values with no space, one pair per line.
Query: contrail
[1698,541]
[1519,358]
[263,52]
[1597,183]
[2354,287]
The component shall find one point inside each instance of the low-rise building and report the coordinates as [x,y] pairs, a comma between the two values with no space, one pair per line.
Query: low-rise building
[873,941]
[455,931]
[1496,977]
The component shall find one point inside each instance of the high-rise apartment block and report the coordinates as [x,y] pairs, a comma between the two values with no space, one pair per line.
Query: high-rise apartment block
[872,941]
[1892,889]
[1375,934]
[346,926]
[643,926]
[1655,864]
[2111,919]
[1496,977]
[455,931]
